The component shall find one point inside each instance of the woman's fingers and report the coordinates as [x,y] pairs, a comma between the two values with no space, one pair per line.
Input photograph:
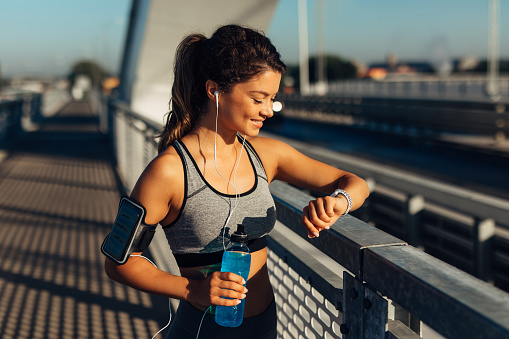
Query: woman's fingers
[219,288]
[227,288]
[317,213]
[312,230]
[231,286]
[320,214]
[227,297]
[229,276]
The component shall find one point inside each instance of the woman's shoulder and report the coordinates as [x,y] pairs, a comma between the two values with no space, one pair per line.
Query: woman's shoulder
[160,185]
[166,164]
[165,170]
[276,153]
[268,146]
[271,152]
[262,142]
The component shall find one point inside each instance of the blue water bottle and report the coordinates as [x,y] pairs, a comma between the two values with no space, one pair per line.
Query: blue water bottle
[236,259]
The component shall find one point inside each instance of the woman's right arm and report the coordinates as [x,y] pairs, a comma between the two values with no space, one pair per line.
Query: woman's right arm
[159,189]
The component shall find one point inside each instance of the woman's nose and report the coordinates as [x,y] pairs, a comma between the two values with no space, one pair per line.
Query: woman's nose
[267,110]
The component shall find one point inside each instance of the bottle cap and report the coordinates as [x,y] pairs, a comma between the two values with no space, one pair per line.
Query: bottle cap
[239,235]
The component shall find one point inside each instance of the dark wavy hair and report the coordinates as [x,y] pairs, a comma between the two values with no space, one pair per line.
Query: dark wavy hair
[232,55]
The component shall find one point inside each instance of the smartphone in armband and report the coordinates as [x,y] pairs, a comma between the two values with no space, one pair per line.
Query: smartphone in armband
[119,242]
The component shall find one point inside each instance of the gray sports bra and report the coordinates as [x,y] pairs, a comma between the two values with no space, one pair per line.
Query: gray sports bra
[196,236]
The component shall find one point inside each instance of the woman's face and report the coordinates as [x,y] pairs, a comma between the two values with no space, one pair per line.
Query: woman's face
[249,103]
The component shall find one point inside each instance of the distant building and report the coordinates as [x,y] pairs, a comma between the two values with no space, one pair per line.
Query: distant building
[381,70]
[393,67]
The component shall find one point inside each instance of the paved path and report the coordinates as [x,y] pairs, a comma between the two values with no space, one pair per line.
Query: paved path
[58,197]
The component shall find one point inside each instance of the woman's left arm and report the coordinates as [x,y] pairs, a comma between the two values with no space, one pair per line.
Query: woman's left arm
[285,163]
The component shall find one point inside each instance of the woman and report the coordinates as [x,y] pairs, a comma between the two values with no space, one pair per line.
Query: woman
[208,178]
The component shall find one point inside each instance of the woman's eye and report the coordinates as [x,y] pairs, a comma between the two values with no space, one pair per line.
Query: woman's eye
[258,101]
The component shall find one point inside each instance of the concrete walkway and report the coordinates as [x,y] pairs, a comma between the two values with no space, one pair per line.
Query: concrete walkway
[58,198]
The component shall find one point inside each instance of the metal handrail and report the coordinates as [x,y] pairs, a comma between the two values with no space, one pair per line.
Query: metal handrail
[413,116]
[450,301]
[12,112]
[468,87]
[485,214]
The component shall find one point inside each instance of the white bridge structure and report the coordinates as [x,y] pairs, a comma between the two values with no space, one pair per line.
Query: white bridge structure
[157,27]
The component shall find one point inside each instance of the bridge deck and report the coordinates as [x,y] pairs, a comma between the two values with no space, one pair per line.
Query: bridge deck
[59,195]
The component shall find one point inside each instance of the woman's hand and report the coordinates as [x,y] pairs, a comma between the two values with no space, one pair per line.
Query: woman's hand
[217,286]
[322,213]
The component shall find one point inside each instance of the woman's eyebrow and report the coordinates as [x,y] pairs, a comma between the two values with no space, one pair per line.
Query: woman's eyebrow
[260,92]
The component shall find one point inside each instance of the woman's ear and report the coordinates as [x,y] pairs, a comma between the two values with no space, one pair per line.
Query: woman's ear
[211,87]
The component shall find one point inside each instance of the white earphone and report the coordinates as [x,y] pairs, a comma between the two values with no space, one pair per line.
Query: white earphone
[216,93]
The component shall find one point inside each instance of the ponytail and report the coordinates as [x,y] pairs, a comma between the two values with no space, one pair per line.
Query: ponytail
[188,91]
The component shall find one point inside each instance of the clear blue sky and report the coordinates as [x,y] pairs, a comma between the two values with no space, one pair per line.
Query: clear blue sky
[414,29]
[47,36]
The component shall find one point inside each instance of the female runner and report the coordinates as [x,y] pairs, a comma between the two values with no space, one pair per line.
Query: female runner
[213,172]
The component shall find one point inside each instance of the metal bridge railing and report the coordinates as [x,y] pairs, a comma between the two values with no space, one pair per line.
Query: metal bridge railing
[431,87]
[414,117]
[354,281]
[13,112]
[463,227]
[383,271]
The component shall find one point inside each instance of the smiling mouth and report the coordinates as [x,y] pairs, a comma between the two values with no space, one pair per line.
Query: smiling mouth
[258,122]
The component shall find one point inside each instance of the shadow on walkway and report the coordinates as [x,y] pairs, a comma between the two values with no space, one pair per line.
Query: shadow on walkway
[58,198]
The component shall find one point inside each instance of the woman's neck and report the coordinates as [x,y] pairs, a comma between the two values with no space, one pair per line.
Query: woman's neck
[206,135]
[206,139]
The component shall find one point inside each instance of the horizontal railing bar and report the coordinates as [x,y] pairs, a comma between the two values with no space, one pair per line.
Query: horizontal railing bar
[448,235]
[470,202]
[502,257]
[351,101]
[452,302]
[398,330]
[345,239]
[453,258]
[388,211]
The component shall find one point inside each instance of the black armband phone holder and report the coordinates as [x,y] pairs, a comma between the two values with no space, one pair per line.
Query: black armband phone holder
[129,233]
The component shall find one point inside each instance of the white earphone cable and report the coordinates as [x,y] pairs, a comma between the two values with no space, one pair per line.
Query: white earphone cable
[237,194]
[169,301]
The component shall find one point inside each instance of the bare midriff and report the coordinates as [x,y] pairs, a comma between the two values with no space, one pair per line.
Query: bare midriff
[259,295]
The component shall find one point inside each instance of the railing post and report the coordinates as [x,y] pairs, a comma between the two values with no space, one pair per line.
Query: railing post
[365,312]
[366,210]
[413,207]
[483,233]
[3,129]
[36,113]
[103,114]
[353,320]
[112,127]
[375,314]
[500,124]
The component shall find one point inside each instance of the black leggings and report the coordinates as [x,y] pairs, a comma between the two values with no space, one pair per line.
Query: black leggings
[187,320]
